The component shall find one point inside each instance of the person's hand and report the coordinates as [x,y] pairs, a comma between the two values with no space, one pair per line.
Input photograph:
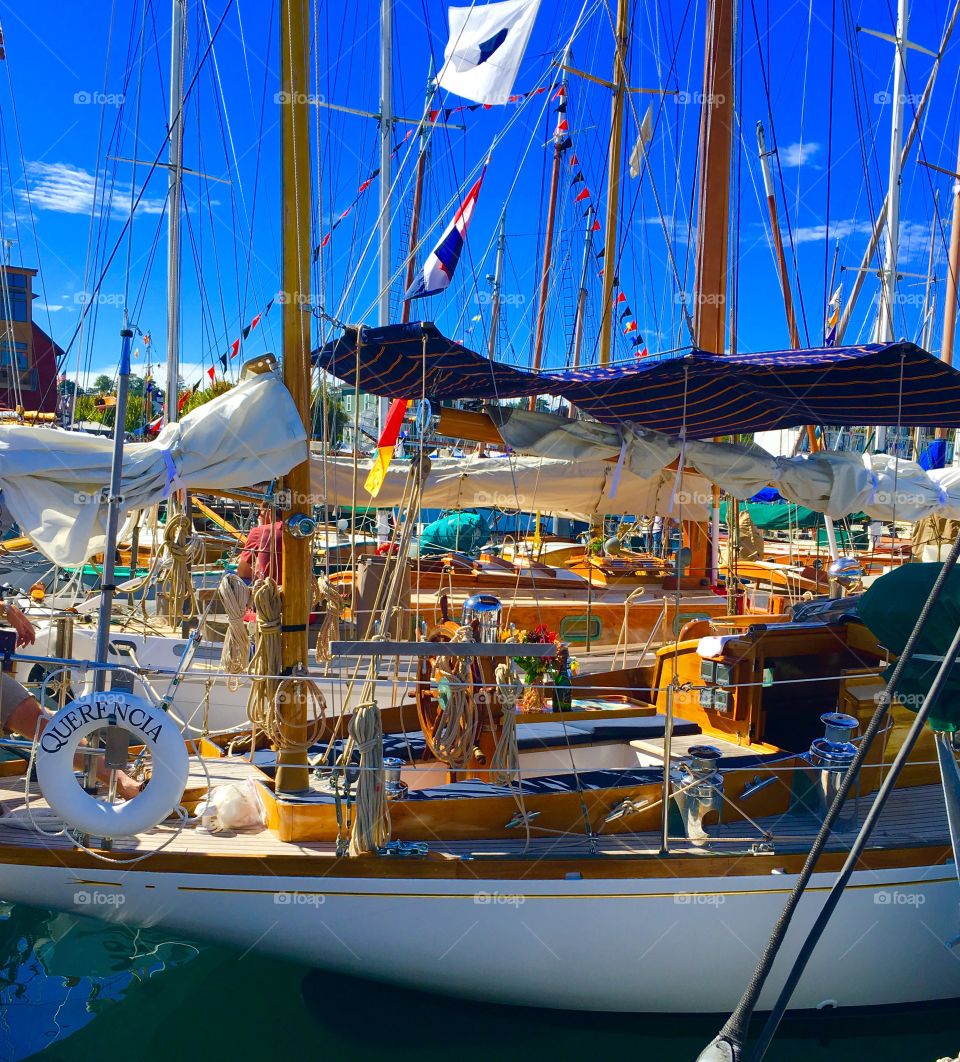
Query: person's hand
[26,635]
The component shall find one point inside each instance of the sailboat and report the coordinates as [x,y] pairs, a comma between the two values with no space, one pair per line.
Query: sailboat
[575,858]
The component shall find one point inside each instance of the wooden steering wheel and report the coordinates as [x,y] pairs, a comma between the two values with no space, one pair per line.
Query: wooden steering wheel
[479,724]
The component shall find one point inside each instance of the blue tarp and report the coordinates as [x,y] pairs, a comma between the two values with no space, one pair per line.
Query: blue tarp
[708,395]
[935,455]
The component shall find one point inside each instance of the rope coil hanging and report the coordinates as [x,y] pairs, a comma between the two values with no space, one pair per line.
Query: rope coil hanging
[267,660]
[235,656]
[371,820]
[182,549]
[329,596]
[505,762]
[453,737]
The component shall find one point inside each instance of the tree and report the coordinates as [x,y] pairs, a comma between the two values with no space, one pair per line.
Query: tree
[336,417]
[103,383]
[200,398]
[137,384]
[85,409]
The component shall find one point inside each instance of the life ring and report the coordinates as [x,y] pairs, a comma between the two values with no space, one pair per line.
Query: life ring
[150,727]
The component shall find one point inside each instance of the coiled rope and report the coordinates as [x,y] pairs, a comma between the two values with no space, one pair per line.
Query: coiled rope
[371,821]
[182,549]
[453,737]
[328,595]
[235,656]
[505,762]
[267,660]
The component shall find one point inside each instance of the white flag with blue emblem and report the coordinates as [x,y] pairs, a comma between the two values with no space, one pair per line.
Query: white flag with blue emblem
[487,42]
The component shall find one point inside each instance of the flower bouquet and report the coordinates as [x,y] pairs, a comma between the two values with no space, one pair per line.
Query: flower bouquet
[535,669]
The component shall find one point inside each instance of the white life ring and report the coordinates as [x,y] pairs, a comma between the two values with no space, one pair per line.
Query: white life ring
[150,726]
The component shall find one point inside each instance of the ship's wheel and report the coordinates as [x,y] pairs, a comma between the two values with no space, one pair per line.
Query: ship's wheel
[449,691]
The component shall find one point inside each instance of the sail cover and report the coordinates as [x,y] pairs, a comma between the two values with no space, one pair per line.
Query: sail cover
[562,487]
[698,393]
[54,482]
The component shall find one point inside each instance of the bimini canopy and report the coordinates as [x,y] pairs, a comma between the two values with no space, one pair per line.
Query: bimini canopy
[699,393]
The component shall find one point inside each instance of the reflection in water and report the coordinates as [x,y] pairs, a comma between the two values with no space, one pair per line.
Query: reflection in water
[77,988]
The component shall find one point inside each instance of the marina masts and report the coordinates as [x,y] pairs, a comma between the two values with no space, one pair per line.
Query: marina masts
[417,196]
[560,140]
[292,774]
[386,183]
[885,324]
[178,47]
[713,207]
[496,284]
[953,265]
[613,180]
[777,239]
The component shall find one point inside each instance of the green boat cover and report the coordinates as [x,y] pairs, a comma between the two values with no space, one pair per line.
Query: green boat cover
[890,609]
[456,532]
[783,516]
[777,516]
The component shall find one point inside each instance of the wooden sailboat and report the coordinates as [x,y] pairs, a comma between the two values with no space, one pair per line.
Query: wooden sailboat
[680,830]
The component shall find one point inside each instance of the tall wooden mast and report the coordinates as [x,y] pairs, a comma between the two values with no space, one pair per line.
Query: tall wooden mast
[292,773]
[953,265]
[613,181]
[418,195]
[713,222]
[713,207]
[560,140]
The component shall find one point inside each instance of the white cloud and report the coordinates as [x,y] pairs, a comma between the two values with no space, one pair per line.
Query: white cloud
[70,189]
[840,229]
[797,154]
[47,307]
[914,236]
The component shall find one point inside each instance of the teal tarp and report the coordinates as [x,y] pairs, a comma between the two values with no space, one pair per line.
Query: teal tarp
[457,532]
[782,516]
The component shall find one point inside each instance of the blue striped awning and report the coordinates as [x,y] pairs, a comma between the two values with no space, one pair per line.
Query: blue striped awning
[885,384]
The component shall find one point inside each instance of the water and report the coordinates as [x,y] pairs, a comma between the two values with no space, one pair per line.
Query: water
[73,988]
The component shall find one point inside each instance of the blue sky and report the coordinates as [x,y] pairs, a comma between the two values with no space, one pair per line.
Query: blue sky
[86,93]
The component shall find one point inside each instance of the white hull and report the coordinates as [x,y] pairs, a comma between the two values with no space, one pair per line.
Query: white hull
[622,945]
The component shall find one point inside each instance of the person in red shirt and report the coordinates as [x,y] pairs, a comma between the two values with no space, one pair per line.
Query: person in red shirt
[262,554]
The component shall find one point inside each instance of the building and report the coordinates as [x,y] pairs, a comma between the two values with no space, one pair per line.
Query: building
[28,356]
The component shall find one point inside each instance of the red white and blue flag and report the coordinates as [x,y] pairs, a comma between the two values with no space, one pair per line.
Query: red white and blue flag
[439,267]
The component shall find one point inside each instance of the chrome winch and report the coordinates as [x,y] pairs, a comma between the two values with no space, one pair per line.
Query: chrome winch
[701,788]
[832,754]
[484,611]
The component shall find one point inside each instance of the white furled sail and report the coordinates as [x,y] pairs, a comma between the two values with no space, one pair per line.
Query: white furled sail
[53,482]
[486,44]
[829,482]
[559,486]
